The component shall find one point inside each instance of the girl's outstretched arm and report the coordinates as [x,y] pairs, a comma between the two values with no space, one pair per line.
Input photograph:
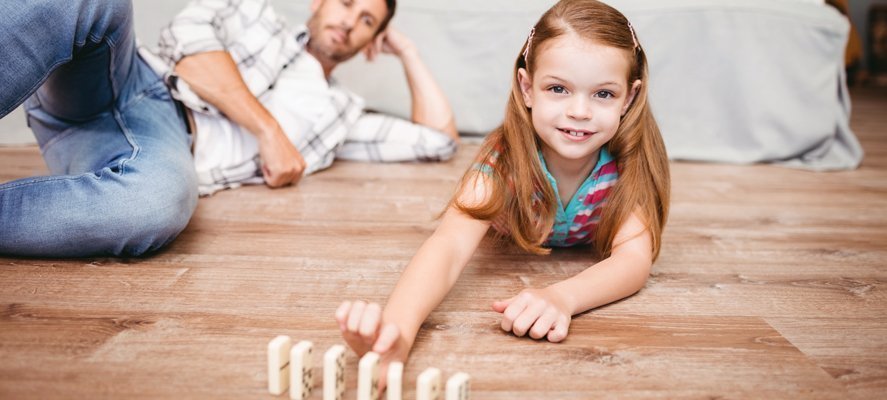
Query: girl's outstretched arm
[425,282]
[547,312]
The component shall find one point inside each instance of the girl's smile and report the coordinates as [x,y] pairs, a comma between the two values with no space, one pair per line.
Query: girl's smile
[576,134]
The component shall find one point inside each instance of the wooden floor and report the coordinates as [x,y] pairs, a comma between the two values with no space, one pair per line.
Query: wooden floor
[772,284]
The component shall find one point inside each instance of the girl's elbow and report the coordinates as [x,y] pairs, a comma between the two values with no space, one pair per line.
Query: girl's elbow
[641,274]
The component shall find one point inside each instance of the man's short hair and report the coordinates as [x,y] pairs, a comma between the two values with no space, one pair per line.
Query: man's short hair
[392,4]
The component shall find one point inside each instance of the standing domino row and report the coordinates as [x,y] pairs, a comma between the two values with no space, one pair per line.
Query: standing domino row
[290,367]
[428,384]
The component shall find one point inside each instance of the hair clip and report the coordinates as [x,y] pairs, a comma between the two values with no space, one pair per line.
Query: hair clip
[634,37]
[529,42]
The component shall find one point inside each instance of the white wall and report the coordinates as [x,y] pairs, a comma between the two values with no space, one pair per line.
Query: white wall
[14,131]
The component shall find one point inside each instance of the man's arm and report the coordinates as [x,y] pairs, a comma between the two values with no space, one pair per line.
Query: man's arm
[429,104]
[214,77]
[196,42]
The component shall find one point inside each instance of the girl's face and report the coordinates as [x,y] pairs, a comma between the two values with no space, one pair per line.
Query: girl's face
[577,94]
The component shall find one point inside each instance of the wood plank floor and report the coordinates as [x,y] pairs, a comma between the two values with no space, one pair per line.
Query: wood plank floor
[771,284]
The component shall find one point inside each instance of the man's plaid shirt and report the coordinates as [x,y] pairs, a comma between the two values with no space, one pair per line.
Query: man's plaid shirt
[263,46]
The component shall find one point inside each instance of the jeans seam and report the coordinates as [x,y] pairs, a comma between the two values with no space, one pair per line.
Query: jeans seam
[119,116]
[124,128]
[41,180]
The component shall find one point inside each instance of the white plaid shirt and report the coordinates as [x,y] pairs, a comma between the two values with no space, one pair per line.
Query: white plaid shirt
[330,122]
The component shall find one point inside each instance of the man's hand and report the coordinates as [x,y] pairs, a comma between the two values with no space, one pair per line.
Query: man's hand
[391,42]
[539,312]
[362,328]
[282,164]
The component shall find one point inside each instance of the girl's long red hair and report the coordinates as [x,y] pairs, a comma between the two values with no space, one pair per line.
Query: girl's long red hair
[644,183]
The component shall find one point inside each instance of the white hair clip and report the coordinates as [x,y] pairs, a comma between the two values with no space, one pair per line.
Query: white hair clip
[529,42]
[634,37]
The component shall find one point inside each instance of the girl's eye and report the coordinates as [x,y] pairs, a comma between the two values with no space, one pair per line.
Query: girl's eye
[603,94]
[368,21]
[557,89]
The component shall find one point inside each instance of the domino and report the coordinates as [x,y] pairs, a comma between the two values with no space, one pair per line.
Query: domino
[301,375]
[458,386]
[368,377]
[279,364]
[334,373]
[395,381]
[428,385]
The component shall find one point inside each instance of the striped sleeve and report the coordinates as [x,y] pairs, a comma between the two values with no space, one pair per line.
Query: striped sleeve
[380,137]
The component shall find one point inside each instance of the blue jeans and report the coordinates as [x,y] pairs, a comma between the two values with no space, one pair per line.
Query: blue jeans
[123,180]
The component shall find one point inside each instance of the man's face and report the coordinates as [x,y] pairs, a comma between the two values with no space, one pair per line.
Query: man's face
[341,28]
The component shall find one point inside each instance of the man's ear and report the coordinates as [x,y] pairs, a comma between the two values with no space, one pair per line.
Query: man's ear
[635,87]
[526,86]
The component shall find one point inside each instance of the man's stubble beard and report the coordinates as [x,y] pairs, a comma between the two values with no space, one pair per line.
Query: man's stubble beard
[328,55]
[320,51]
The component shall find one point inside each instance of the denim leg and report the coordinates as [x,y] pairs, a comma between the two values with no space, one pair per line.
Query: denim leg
[124,181]
[42,36]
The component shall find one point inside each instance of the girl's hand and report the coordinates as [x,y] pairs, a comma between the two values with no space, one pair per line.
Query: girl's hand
[539,312]
[362,328]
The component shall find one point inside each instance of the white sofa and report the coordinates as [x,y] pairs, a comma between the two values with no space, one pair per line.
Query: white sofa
[738,81]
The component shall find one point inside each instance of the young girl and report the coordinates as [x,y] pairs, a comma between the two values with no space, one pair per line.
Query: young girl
[578,159]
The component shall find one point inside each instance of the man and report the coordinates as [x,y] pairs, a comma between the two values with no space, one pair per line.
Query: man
[263,106]
[123,178]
